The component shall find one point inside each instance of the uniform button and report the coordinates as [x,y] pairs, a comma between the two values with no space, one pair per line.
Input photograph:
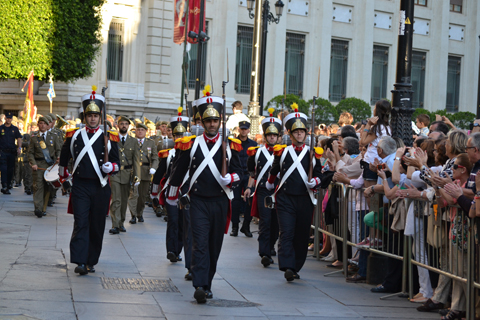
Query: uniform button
[123,160]
[195,190]
[101,160]
[75,145]
[196,181]
[258,161]
[221,191]
[283,162]
[194,166]
[103,152]
[193,158]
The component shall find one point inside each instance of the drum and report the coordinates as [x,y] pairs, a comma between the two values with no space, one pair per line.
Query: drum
[51,176]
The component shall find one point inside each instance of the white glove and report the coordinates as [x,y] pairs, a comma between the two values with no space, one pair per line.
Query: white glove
[107,167]
[172,202]
[152,171]
[226,180]
[269,185]
[313,183]
[136,184]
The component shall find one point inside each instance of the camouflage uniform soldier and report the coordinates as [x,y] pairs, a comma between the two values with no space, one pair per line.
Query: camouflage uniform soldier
[27,168]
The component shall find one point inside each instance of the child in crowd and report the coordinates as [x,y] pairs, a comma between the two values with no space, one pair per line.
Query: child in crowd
[423,121]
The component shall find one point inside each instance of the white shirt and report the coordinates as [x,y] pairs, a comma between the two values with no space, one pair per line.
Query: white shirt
[234,119]
[371,153]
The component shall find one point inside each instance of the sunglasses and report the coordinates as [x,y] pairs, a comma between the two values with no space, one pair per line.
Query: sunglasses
[456,166]
[469,147]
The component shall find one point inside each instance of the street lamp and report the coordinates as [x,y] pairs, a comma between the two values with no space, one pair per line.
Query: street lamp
[258,65]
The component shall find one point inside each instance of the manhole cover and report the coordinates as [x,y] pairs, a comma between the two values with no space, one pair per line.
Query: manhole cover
[26,213]
[230,303]
[149,285]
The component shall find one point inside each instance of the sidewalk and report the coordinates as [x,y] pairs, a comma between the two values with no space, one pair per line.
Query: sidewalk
[37,281]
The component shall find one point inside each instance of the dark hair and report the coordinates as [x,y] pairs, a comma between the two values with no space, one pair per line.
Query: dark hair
[428,146]
[383,108]
[329,143]
[441,126]
[420,140]
[442,157]
[424,118]
[348,131]
[358,125]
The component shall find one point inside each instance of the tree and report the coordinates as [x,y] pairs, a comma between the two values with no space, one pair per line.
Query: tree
[61,37]
[460,119]
[359,109]
[325,111]
[276,103]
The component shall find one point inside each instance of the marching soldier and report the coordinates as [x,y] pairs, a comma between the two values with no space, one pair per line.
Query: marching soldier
[122,182]
[259,163]
[209,192]
[90,196]
[43,152]
[148,161]
[175,224]
[294,195]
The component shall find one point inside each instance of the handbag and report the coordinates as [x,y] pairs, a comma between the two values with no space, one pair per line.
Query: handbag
[399,212]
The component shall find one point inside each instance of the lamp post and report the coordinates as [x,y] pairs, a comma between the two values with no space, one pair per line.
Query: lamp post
[262,17]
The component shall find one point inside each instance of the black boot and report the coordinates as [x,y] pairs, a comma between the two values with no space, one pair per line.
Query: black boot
[234,232]
[81,269]
[246,230]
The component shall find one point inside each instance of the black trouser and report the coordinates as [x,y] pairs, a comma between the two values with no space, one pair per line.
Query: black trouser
[238,205]
[294,220]
[187,238]
[7,167]
[90,204]
[393,278]
[174,229]
[267,225]
[208,217]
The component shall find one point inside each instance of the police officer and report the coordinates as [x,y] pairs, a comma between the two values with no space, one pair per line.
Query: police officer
[294,196]
[209,192]
[238,205]
[91,191]
[175,228]
[147,161]
[122,182]
[8,151]
[43,152]
[259,163]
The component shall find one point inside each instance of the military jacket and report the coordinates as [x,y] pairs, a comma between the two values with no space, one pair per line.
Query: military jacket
[37,144]
[147,158]
[25,144]
[128,155]
[254,168]
[294,185]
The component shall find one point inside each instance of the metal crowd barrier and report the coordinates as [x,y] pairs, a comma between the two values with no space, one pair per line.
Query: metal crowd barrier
[437,252]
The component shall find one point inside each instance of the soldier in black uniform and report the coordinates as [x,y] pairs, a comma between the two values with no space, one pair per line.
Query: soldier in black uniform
[209,192]
[238,205]
[91,191]
[294,195]
[8,151]
[259,163]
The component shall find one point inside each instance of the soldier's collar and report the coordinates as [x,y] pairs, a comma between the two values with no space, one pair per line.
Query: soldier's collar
[91,130]
[298,148]
[269,148]
[211,140]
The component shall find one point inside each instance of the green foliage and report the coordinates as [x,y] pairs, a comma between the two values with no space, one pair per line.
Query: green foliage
[276,103]
[325,111]
[61,37]
[359,109]
[460,120]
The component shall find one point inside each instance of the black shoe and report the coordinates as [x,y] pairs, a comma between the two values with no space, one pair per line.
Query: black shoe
[209,294]
[246,231]
[6,191]
[296,276]
[28,192]
[133,220]
[140,219]
[381,289]
[114,230]
[273,253]
[289,275]
[81,269]
[44,213]
[266,261]
[429,305]
[18,185]
[172,257]
[50,203]
[122,229]
[179,258]
[234,231]
[165,218]
[38,213]
[10,186]
[188,276]
[90,269]
[200,295]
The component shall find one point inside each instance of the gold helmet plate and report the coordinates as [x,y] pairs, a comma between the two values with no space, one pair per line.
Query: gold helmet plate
[210,112]
[92,107]
[179,129]
[271,129]
[298,125]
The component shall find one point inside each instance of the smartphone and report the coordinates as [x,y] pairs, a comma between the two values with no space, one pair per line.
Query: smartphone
[381,166]
[364,122]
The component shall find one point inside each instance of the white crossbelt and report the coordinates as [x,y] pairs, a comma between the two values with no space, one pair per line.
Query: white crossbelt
[88,149]
[296,165]
[207,161]
[267,165]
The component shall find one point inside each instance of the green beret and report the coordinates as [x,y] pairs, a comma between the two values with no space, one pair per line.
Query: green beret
[123,118]
[158,124]
[44,119]
[53,116]
[48,118]
[141,125]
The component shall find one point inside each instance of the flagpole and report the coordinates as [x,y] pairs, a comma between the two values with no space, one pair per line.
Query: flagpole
[185,62]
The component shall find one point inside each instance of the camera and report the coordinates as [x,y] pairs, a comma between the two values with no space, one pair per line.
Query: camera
[364,122]
[381,166]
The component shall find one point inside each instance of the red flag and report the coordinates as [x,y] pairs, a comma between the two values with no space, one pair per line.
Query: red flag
[180,18]
[29,109]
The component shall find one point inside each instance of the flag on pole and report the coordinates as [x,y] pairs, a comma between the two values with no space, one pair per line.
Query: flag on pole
[29,109]
[51,92]
[180,18]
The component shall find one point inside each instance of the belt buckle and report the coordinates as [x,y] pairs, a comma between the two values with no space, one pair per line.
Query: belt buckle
[122,167]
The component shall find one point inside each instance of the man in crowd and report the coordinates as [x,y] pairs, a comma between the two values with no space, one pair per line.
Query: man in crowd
[238,203]
[8,151]
[237,116]
[127,176]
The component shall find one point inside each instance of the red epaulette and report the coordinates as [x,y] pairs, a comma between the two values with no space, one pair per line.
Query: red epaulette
[252,151]
[114,136]
[184,143]
[318,152]
[163,153]
[70,132]
[235,144]
[278,149]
